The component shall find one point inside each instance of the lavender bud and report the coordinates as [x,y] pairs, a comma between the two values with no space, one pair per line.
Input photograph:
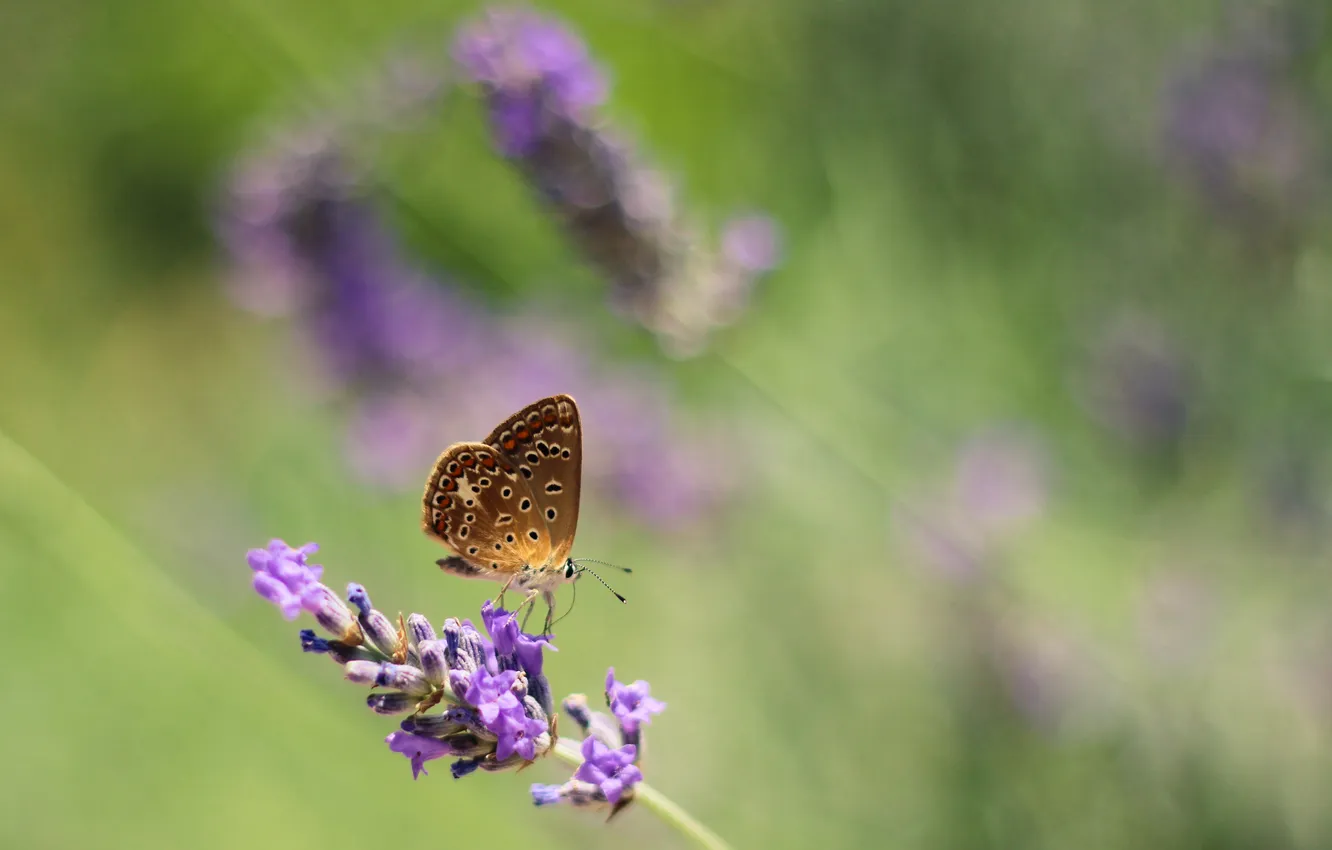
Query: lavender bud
[533,709]
[436,725]
[573,792]
[466,648]
[593,724]
[363,672]
[310,642]
[538,688]
[575,708]
[459,682]
[342,653]
[462,767]
[357,595]
[605,729]
[419,629]
[332,613]
[546,795]
[470,719]
[401,677]
[464,744]
[391,703]
[381,632]
[433,662]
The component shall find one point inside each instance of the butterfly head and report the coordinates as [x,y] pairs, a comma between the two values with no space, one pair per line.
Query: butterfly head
[572,569]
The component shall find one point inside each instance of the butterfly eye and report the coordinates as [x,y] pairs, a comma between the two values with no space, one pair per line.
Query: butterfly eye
[569,569]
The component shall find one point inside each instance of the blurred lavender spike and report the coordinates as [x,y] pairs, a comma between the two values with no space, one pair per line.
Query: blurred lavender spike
[542,90]
[1138,384]
[424,364]
[1241,128]
[999,487]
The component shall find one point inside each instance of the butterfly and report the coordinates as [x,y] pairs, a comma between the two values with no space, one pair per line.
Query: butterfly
[508,506]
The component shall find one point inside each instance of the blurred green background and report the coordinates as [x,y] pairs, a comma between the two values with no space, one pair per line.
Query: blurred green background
[1028,543]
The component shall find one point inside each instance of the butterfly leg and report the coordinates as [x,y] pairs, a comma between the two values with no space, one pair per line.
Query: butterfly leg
[499,598]
[548,596]
[527,600]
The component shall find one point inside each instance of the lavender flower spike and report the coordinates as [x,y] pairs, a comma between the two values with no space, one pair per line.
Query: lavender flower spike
[462,703]
[542,92]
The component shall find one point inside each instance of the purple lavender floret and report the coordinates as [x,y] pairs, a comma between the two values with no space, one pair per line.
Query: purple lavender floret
[514,648]
[281,574]
[752,243]
[419,749]
[613,771]
[492,695]
[518,733]
[631,704]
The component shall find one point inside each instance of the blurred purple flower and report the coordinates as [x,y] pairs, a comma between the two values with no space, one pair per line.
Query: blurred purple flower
[1038,673]
[1138,384]
[533,67]
[1000,480]
[541,89]
[424,364]
[1175,617]
[1000,484]
[390,439]
[752,243]
[1240,128]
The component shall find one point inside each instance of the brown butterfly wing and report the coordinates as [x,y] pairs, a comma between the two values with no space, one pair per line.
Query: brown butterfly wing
[478,503]
[544,442]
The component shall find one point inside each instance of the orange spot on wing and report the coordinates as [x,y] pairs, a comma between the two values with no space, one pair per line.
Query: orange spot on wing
[509,445]
[488,462]
[449,484]
[523,434]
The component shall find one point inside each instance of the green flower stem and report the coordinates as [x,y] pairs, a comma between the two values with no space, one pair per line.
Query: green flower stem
[568,751]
